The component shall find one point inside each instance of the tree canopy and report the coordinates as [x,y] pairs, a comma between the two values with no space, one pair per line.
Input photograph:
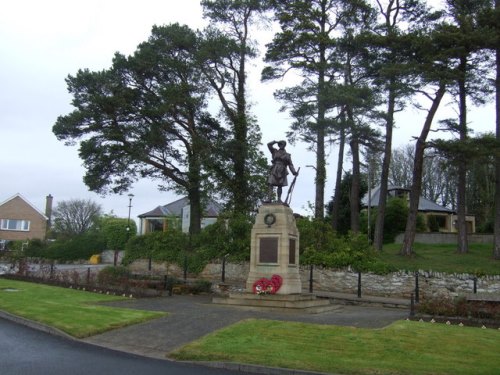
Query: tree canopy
[75,216]
[144,117]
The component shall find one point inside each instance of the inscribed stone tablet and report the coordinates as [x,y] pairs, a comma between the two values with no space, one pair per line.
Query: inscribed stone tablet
[291,254]
[268,250]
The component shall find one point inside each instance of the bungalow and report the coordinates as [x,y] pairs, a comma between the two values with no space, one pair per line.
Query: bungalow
[20,220]
[176,215]
[445,218]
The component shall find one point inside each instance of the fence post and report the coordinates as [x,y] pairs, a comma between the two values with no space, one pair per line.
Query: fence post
[185,268]
[412,306]
[475,284]
[417,292]
[88,276]
[223,278]
[359,284]
[311,280]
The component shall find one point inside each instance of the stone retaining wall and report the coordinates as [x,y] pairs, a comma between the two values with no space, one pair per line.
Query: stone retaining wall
[402,284]
[397,284]
[446,238]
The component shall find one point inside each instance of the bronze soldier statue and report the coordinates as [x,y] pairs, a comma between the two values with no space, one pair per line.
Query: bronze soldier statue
[281,162]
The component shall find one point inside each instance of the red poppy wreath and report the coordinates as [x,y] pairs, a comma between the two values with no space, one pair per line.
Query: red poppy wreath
[266,286]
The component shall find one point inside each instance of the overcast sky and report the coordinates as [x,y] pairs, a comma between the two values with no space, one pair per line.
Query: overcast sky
[42,42]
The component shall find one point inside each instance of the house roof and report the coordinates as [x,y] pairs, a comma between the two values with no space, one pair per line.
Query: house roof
[27,202]
[424,204]
[212,209]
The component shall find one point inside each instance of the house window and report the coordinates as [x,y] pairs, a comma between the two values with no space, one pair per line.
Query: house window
[13,224]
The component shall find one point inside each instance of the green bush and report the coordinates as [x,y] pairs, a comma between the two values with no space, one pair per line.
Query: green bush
[201,286]
[115,231]
[421,225]
[15,245]
[159,246]
[226,236]
[340,252]
[79,247]
[112,275]
[316,234]
[35,248]
[319,245]
[459,307]
[396,214]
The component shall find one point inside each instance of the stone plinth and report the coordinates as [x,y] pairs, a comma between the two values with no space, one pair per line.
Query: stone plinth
[275,248]
[299,303]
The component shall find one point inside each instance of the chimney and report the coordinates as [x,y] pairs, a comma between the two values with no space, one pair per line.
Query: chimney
[48,210]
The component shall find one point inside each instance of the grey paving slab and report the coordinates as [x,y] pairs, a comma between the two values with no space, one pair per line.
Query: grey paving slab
[191,317]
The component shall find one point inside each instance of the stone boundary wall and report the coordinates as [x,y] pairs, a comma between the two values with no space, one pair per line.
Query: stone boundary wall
[401,284]
[397,284]
[442,238]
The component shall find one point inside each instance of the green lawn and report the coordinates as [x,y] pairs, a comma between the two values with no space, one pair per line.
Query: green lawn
[402,348]
[77,313]
[443,258]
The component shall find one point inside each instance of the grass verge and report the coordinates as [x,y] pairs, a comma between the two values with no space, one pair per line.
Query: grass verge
[402,348]
[74,312]
[443,258]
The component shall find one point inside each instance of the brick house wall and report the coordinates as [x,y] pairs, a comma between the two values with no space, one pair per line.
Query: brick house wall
[17,208]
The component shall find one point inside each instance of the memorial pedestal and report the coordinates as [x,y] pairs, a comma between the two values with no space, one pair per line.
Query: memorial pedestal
[275,248]
[275,251]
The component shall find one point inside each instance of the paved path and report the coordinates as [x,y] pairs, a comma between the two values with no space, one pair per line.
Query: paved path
[191,317]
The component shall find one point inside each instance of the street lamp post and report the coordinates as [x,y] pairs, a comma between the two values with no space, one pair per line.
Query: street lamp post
[130,196]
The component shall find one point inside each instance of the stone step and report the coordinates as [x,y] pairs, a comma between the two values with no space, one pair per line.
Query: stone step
[291,303]
[275,297]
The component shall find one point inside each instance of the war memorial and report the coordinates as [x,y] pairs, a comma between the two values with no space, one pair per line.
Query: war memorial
[274,279]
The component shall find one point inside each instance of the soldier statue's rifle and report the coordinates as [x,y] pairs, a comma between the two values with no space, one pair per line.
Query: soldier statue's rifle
[290,190]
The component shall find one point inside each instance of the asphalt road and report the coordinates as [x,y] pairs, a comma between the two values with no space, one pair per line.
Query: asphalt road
[25,351]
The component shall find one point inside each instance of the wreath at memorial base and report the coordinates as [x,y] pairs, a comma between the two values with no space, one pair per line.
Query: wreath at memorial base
[266,286]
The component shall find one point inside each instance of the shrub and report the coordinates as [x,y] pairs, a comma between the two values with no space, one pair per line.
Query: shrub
[421,224]
[113,275]
[340,252]
[79,247]
[395,218]
[226,236]
[159,246]
[316,234]
[35,248]
[115,231]
[201,286]
[459,307]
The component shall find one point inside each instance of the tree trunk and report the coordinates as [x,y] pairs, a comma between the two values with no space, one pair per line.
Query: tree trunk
[496,248]
[195,211]
[462,163]
[354,195]
[418,166]
[194,194]
[241,193]
[378,236]
[319,203]
[338,181]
